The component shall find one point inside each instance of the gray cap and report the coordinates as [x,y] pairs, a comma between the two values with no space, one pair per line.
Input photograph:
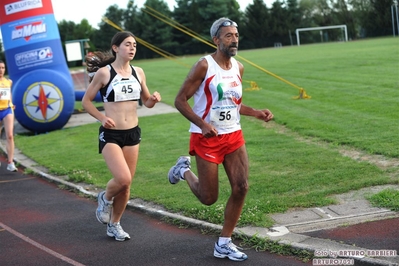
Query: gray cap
[219,23]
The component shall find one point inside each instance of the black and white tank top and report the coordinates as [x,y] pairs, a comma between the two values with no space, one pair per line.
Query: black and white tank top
[121,89]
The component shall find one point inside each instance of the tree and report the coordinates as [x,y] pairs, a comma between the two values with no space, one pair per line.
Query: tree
[256,26]
[155,31]
[279,24]
[361,11]
[233,9]
[317,13]
[83,30]
[67,33]
[131,17]
[198,16]
[186,13]
[102,37]
[259,26]
[294,17]
[372,17]
[66,30]
[379,23]
[345,16]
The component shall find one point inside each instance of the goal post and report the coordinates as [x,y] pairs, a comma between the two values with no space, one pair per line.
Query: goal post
[321,28]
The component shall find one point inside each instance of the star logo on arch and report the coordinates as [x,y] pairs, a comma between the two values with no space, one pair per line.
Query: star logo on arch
[43,102]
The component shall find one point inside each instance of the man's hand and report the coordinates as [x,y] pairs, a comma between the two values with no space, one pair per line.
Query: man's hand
[208,131]
[264,115]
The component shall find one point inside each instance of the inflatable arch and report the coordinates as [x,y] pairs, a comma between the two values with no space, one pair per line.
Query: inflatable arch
[43,89]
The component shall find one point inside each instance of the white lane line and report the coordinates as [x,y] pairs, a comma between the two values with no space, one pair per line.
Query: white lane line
[17,180]
[30,241]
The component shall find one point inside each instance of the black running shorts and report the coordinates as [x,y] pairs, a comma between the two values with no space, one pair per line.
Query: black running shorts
[128,137]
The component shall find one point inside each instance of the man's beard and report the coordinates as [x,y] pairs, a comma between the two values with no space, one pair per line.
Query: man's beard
[228,51]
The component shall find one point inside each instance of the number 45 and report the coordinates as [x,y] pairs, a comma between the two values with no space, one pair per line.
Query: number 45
[127,89]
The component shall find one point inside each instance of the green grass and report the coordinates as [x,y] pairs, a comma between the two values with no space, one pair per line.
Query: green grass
[388,198]
[79,108]
[295,161]
[354,88]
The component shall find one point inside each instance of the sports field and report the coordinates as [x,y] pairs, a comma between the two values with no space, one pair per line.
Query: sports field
[345,137]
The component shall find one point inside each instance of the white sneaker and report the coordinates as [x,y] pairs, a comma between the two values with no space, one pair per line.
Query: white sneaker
[115,230]
[104,210]
[229,250]
[11,167]
[174,175]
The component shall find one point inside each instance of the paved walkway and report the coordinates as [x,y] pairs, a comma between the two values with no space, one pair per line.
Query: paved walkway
[314,229]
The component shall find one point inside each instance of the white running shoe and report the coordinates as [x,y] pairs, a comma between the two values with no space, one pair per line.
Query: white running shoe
[174,175]
[115,230]
[104,210]
[11,167]
[229,250]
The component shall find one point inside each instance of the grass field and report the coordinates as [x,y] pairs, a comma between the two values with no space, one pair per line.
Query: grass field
[344,138]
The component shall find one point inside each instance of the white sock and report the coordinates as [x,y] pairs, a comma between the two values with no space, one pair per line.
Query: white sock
[107,201]
[223,240]
[183,170]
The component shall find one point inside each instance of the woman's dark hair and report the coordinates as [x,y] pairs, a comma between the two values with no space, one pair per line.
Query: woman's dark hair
[119,38]
[96,60]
